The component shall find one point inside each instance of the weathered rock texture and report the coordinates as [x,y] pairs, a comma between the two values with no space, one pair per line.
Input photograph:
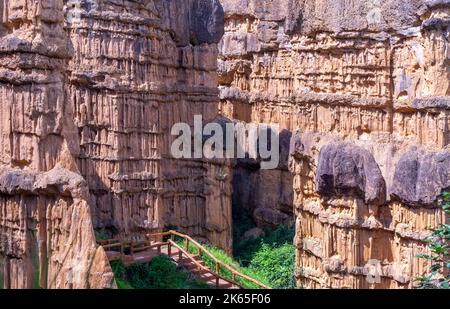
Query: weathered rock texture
[47,238]
[89,91]
[364,88]
[133,75]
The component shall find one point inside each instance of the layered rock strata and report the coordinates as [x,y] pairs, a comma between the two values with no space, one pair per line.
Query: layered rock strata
[47,239]
[363,86]
[139,68]
[89,93]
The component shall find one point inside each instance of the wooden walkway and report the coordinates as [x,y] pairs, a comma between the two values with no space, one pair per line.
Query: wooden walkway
[164,244]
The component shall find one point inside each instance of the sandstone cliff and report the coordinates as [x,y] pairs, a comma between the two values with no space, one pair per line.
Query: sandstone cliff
[89,91]
[363,87]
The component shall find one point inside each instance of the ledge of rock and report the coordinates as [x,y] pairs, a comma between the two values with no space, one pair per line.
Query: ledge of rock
[57,181]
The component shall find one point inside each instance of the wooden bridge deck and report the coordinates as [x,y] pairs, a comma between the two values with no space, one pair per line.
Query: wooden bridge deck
[144,251]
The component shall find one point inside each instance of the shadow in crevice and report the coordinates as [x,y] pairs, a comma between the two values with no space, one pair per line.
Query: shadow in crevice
[267,195]
[263,218]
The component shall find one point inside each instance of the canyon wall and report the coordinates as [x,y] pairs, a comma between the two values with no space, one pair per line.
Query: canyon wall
[89,91]
[363,88]
[139,67]
[46,234]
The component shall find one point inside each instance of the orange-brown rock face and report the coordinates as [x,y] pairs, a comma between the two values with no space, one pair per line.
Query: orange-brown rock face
[364,88]
[47,239]
[134,75]
[46,234]
[89,91]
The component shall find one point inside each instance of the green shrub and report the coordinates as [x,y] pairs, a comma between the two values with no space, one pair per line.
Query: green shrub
[123,284]
[160,273]
[102,236]
[438,276]
[246,249]
[269,259]
[225,258]
[276,264]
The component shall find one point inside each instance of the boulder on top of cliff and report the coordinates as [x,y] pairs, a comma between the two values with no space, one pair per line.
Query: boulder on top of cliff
[296,146]
[374,15]
[275,10]
[421,177]
[314,16]
[347,169]
[437,3]
[435,102]
[62,181]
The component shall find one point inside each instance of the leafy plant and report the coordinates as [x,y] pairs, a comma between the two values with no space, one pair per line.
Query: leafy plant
[160,273]
[276,264]
[438,276]
[123,284]
[271,256]
[269,259]
[102,236]
[225,258]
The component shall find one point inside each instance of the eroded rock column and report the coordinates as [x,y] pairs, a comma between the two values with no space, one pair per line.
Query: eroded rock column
[139,68]
[46,235]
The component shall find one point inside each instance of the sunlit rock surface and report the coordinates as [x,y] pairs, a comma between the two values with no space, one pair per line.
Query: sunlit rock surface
[363,87]
[92,88]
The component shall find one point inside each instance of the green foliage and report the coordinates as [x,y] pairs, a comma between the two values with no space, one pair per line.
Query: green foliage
[246,249]
[276,264]
[102,236]
[160,273]
[123,284]
[37,275]
[225,258]
[438,276]
[269,259]
[271,256]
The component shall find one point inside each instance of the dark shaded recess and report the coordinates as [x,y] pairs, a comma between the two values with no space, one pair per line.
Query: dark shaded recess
[436,24]
[207,22]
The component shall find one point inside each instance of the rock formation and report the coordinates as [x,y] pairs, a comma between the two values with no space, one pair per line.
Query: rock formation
[363,87]
[90,89]
[129,81]
[47,238]
[89,92]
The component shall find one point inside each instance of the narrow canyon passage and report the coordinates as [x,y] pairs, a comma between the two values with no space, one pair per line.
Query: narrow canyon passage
[90,91]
